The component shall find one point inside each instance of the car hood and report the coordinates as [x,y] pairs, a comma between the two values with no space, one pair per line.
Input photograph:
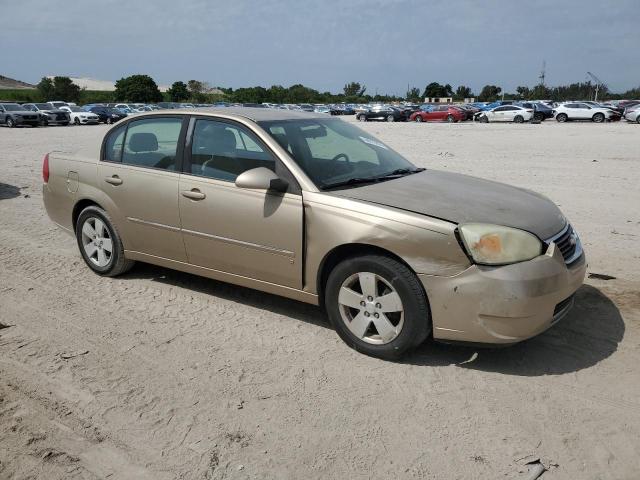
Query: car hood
[460,199]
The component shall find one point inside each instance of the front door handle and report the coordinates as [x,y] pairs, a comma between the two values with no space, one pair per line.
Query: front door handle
[194,194]
[113,180]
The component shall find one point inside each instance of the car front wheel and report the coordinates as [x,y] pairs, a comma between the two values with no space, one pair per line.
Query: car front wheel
[377,306]
[419,119]
[518,119]
[100,244]
[76,121]
[598,117]
[10,122]
[450,119]
[484,119]
[391,118]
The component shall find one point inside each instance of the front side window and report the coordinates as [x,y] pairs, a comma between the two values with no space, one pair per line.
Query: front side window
[331,151]
[223,151]
[152,142]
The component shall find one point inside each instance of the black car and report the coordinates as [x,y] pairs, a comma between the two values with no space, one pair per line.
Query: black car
[382,112]
[108,114]
[540,110]
[48,113]
[13,115]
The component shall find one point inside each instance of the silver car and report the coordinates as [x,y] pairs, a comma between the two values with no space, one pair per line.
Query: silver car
[49,115]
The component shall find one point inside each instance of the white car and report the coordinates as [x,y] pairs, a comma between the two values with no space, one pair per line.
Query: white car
[506,113]
[584,111]
[632,114]
[80,116]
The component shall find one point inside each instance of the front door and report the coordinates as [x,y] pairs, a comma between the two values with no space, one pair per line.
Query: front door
[140,175]
[252,233]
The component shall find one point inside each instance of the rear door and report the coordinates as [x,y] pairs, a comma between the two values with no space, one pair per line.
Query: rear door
[253,233]
[139,173]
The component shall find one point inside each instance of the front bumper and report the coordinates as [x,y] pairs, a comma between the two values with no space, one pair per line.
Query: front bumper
[503,305]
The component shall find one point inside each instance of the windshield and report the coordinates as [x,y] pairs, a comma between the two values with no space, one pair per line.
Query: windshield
[43,106]
[333,152]
[75,109]
[12,107]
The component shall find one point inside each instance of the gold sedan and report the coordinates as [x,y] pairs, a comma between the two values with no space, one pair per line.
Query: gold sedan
[312,208]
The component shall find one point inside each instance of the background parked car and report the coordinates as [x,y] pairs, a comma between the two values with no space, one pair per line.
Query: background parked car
[58,103]
[632,114]
[584,111]
[540,110]
[107,114]
[14,115]
[48,114]
[440,113]
[81,117]
[380,112]
[506,113]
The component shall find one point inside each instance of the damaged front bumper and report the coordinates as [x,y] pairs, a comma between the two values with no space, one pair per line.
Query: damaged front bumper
[506,304]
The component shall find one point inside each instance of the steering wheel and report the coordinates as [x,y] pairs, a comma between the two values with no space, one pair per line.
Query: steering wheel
[346,157]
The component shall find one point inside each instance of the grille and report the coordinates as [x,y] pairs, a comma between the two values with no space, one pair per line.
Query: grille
[568,243]
[61,116]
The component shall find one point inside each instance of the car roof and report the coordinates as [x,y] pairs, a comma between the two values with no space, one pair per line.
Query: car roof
[251,113]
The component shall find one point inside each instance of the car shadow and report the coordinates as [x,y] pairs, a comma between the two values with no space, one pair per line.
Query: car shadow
[589,334]
[8,191]
[279,305]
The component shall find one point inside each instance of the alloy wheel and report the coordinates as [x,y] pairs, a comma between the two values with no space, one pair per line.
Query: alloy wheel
[96,241]
[371,308]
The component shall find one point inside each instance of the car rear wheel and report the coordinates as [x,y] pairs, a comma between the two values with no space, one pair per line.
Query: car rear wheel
[377,306]
[562,117]
[598,117]
[391,118]
[100,244]
[10,122]
[518,119]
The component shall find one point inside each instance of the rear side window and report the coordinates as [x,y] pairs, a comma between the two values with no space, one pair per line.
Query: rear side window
[113,145]
[152,142]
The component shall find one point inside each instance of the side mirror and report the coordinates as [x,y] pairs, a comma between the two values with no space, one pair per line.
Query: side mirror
[261,178]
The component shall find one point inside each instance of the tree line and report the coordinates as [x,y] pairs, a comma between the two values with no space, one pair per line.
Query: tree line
[143,89]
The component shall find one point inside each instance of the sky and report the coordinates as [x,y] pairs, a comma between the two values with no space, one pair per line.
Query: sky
[323,44]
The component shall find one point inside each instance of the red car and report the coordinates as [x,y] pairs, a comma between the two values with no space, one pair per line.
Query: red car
[440,113]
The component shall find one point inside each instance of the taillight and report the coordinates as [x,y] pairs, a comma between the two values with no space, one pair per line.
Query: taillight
[45,168]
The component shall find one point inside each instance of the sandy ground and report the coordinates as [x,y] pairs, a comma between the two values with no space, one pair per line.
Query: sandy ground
[172,376]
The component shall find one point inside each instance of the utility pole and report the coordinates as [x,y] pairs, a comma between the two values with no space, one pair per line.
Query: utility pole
[543,73]
[599,83]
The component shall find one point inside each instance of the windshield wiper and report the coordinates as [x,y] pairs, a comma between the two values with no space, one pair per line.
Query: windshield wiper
[399,172]
[351,181]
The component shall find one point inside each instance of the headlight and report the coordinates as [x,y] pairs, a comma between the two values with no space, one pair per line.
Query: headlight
[498,245]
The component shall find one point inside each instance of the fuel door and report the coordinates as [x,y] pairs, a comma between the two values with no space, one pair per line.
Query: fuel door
[72,182]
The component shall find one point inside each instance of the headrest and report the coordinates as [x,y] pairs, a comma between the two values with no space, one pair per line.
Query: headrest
[143,142]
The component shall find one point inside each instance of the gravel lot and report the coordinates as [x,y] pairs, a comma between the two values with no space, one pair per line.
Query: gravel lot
[175,376]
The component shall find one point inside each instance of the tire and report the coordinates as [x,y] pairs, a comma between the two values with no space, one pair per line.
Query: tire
[598,118]
[450,119]
[401,330]
[109,121]
[562,117]
[638,119]
[419,119]
[10,122]
[391,118]
[105,263]
[484,119]
[44,122]
[518,119]
[76,121]
[538,116]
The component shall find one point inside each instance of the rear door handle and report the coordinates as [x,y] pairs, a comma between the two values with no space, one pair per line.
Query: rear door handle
[113,180]
[194,194]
